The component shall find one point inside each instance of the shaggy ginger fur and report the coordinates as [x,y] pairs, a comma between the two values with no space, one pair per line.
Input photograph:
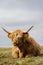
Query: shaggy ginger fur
[23,44]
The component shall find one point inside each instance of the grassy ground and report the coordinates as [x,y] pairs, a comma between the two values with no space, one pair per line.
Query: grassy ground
[7,59]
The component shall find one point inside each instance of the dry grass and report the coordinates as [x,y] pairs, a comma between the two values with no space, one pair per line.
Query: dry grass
[7,59]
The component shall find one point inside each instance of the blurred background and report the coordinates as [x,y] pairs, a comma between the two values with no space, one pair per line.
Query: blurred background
[21,14]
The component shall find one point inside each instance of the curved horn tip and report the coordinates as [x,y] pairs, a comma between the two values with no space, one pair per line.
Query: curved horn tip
[30,28]
[5,30]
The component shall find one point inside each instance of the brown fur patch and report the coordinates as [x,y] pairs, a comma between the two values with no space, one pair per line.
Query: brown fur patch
[23,45]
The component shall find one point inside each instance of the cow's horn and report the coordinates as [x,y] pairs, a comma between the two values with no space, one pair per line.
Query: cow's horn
[29,29]
[5,30]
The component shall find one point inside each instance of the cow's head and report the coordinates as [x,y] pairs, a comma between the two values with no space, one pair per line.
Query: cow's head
[18,35]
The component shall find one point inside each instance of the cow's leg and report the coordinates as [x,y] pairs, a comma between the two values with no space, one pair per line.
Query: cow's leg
[15,52]
[20,54]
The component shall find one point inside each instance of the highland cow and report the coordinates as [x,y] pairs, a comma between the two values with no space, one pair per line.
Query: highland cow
[23,44]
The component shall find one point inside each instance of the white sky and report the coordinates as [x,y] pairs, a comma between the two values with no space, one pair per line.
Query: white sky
[21,14]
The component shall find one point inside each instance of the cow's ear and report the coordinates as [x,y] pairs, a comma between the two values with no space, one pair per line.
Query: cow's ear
[9,35]
[25,32]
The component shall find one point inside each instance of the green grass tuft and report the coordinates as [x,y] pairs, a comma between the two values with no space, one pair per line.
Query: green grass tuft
[7,59]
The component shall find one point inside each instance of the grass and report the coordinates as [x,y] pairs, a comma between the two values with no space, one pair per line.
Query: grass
[7,59]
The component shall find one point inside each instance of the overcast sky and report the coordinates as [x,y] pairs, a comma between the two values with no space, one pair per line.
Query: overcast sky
[21,14]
